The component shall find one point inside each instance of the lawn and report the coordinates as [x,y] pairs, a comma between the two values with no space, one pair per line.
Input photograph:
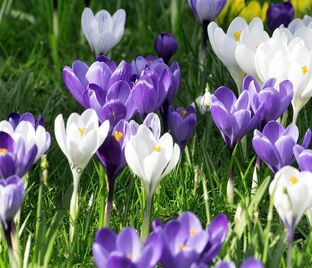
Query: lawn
[37,40]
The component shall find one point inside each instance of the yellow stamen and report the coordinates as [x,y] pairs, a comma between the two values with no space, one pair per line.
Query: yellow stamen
[237,36]
[82,131]
[304,69]
[3,150]
[184,112]
[118,135]
[113,113]
[193,232]
[182,246]
[150,62]
[293,180]
[156,149]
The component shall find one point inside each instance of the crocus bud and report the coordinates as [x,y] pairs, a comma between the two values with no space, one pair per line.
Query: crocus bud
[182,123]
[280,13]
[206,10]
[165,46]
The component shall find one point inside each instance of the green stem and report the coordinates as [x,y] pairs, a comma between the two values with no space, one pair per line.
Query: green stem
[129,198]
[109,202]
[255,181]
[145,228]
[74,204]
[290,248]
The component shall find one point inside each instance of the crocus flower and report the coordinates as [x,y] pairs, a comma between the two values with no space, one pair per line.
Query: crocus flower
[286,59]
[79,141]
[250,262]
[165,46]
[239,35]
[103,31]
[151,159]
[303,157]
[292,196]
[11,197]
[273,98]
[206,10]
[29,129]
[14,158]
[274,145]
[182,123]
[125,249]
[232,116]
[280,14]
[186,244]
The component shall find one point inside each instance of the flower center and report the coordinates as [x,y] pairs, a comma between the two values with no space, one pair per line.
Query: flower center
[237,35]
[3,150]
[156,149]
[118,135]
[293,180]
[129,256]
[113,113]
[82,131]
[182,247]
[150,62]
[184,112]
[193,232]
[304,69]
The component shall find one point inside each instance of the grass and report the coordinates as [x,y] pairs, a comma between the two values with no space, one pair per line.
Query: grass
[32,56]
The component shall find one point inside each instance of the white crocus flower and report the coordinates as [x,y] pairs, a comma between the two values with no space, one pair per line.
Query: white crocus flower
[151,159]
[292,195]
[103,31]
[30,134]
[79,141]
[251,37]
[297,23]
[225,45]
[287,60]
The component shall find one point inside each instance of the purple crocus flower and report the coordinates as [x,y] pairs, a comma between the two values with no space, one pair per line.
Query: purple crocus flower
[151,89]
[206,10]
[233,116]
[186,244]
[14,158]
[182,123]
[273,98]
[250,262]
[11,197]
[303,157]
[280,14]
[141,63]
[16,118]
[125,249]
[274,145]
[165,46]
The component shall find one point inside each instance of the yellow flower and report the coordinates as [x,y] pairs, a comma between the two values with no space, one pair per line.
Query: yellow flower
[302,6]
[235,8]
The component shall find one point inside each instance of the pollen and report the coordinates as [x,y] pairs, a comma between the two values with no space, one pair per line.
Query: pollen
[304,69]
[118,135]
[150,62]
[82,131]
[193,232]
[237,36]
[156,149]
[182,247]
[113,113]
[3,150]
[184,112]
[293,180]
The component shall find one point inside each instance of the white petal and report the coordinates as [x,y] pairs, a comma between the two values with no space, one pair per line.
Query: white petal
[173,161]
[60,134]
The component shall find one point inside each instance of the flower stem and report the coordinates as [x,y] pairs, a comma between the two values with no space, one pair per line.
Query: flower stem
[255,181]
[230,187]
[109,201]
[74,204]
[12,240]
[295,116]
[145,228]
[290,247]
[206,200]
[128,202]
